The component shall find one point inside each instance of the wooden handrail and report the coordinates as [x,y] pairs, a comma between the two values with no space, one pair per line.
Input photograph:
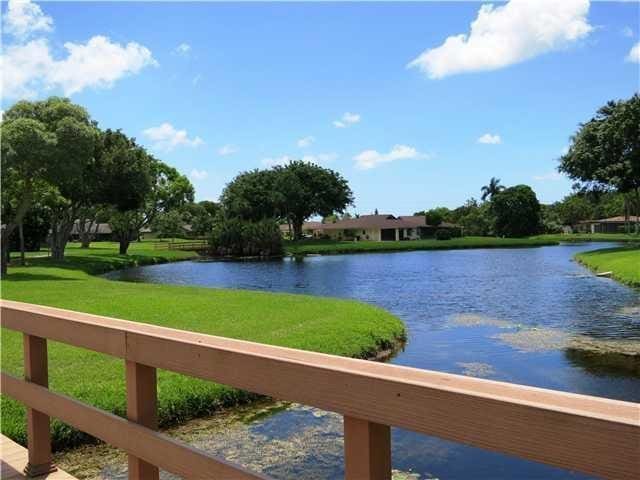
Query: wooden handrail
[594,435]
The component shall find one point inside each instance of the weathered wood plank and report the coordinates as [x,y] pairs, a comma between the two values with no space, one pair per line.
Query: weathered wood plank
[367,450]
[153,447]
[142,408]
[36,370]
[13,460]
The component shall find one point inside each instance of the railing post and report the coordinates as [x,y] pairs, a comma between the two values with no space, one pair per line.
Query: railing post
[367,450]
[142,408]
[38,429]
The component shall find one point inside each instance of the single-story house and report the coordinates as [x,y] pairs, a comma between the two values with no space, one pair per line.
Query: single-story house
[99,231]
[378,228]
[309,229]
[606,225]
[102,232]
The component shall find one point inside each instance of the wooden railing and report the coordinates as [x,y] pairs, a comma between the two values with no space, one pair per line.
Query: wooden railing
[194,245]
[588,434]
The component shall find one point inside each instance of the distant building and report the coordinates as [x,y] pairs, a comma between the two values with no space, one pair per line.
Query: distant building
[102,232]
[309,229]
[377,228]
[606,225]
[98,231]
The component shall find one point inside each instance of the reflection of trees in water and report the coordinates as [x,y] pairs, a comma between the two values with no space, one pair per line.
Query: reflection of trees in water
[607,364]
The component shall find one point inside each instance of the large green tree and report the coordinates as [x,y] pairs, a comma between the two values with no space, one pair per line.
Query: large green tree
[605,152]
[574,209]
[168,190]
[44,143]
[307,190]
[291,193]
[202,217]
[253,196]
[517,212]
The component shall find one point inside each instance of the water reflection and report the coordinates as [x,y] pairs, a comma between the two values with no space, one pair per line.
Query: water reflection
[529,316]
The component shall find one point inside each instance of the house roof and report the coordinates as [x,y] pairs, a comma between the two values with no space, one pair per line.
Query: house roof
[618,219]
[96,228]
[364,222]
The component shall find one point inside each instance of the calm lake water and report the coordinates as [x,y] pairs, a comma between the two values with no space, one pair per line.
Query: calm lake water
[530,316]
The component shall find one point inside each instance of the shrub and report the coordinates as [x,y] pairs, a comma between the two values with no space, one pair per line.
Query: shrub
[443,234]
[239,238]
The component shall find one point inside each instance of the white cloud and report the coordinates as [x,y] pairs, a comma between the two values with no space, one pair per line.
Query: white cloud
[490,139]
[25,69]
[634,54]
[627,31]
[564,150]
[372,158]
[548,177]
[29,68]
[347,120]
[196,80]
[227,150]
[320,158]
[98,63]
[508,34]
[306,141]
[24,18]
[183,49]
[165,137]
[198,174]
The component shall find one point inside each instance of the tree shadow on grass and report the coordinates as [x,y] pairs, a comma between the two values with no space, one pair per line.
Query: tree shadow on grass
[99,263]
[27,277]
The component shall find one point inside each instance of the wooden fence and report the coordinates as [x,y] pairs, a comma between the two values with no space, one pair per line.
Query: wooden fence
[195,245]
[593,435]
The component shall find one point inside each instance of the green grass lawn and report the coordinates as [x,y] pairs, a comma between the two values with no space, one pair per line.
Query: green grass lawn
[624,262]
[333,326]
[332,246]
[590,237]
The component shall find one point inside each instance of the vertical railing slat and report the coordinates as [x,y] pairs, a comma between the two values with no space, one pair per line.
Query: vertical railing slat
[142,408]
[367,450]
[36,370]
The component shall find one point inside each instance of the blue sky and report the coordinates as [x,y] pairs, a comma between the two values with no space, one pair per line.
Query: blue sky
[216,88]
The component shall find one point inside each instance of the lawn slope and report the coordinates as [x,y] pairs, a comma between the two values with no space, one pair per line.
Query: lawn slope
[623,262]
[327,325]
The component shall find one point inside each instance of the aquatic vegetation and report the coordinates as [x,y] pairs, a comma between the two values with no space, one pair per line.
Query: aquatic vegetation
[476,369]
[475,320]
[540,339]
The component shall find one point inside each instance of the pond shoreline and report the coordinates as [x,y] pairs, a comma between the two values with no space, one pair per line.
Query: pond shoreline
[619,261]
[334,326]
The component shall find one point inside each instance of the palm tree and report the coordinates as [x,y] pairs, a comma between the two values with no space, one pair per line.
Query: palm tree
[492,189]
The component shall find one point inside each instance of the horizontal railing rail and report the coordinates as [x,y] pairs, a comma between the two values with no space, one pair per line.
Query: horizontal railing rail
[589,434]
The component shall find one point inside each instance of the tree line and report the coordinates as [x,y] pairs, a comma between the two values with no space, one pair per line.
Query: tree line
[59,168]
[603,159]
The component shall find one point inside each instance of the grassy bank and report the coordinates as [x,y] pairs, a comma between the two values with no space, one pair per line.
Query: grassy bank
[624,263]
[590,237]
[332,246]
[328,325]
